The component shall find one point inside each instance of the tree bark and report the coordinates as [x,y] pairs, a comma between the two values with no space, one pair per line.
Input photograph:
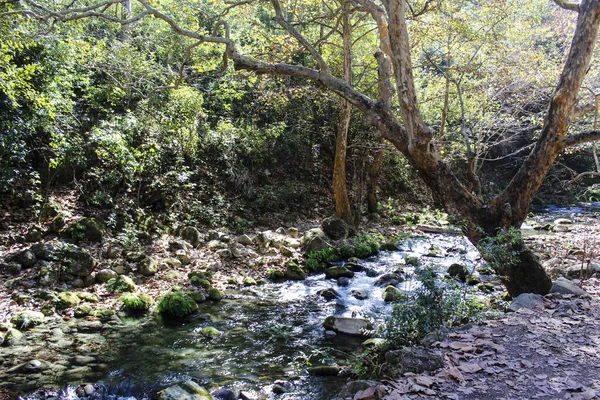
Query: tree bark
[340,191]
[372,180]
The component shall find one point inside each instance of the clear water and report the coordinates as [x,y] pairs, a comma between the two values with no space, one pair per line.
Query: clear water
[269,332]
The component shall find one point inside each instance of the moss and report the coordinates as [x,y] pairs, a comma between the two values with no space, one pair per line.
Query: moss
[121,284]
[103,314]
[66,300]
[83,311]
[275,274]
[209,332]
[248,281]
[176,304]
[215,294]
[199,281]
[89,297]
[136,302]
[294,272]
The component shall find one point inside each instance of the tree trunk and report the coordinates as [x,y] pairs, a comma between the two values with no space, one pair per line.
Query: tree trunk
[373,177]
[340,191]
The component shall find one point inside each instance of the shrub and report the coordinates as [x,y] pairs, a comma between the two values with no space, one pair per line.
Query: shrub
[136,302]
[176,304]
[433,305]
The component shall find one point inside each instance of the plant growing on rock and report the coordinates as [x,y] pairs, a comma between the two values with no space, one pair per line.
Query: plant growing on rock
[176,304]
[136,303]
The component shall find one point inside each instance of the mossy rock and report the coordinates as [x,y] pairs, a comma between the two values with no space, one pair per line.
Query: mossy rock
[89,297]
[294,272]
[195,294]
[121,284]
[27,319]
[136,303]
[413,261]
[215,294]
[66,300]
[324,370]
[473,280]
[393,294]
[248,281]
[92,229]
[338,272]
[83,311]
[200,282]
[275,274]
[176,304]
[103,315]
[210,333]
[458,271]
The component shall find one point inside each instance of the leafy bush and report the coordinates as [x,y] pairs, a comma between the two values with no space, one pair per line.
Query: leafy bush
[433,305]
[136,302]
[501,250]
[176,304]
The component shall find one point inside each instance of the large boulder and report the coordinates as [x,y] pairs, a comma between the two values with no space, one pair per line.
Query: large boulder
[335,227]
[393,294]
[148,266]
[188,390]
[27,319]
[294,272]
[191,234]
[565,286]
[78,261]
[412,359]
[348,326]
[530,301]
[93,229]
[338,272]
[313,240]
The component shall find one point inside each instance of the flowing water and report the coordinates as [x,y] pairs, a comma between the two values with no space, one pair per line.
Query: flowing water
[268,332]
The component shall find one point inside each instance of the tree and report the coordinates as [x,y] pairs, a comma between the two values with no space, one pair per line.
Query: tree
[406,130]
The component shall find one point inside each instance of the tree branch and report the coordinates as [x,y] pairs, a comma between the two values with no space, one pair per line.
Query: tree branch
[568,5]
[581,138]
[294,32]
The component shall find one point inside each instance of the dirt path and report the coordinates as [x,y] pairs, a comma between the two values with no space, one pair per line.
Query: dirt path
[545,354]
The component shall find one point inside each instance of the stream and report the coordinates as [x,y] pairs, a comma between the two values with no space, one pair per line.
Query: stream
[270,331]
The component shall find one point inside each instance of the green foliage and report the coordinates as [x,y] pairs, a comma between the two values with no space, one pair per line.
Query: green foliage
[136,302]
[433,305]
[176,304]
[363,247]
[501,250]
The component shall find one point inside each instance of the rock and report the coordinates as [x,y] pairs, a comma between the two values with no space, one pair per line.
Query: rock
[473,280]
[412,359]
[458,271]
[377,343]
[105,275]
[293,232]
[447,230]
[183,257]
[565,286]
[371,273]
[172,263]
[224,253]
[245,240]
[216,245]
[294,272]
[313,240]
[562,221]
[44,251]
[338,272]
[435,336]
[348,326]
[66,300]
[224,394]
[34,234]
[177,244]
[248,281]
[27,319]
[148,266]
[13,268]
[353,387]
[561,228]
[27,258]
[46,277]
[527,300]
[413,261]
[196,295]
[191,234]
[329,293]
[393,294]
[324,370]
[388,280]
[188,390]
[83,311]
[121,283]
[57,223]
[343,281]
[577,272]
[215,294]
[286,251]
[335,227]
[210,332]
[93,229]
[78,261]
[13,337]
[30,367]
[359,294]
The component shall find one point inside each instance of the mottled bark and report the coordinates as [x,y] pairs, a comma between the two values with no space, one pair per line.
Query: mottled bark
[372,181]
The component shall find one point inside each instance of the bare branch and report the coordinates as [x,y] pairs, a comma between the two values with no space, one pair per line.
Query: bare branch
[581,138]
[568,5]
[294,32]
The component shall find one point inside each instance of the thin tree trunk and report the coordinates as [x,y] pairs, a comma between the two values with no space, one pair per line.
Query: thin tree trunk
[340,191]
[372,179]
